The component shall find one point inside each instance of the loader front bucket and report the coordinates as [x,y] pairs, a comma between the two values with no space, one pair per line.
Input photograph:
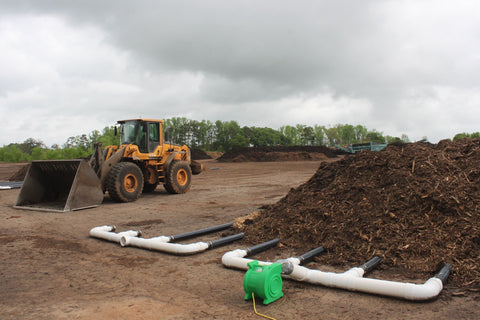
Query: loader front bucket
[60,186]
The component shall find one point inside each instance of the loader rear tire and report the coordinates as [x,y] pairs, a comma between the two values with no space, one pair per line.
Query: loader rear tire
[178,177]
[125,182]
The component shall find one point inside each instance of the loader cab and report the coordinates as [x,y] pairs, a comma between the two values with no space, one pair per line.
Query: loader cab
[143,133]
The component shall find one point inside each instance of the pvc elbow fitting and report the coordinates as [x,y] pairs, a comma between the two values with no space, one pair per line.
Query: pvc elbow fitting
[429,290]
[106,233]
[234,259]
[99,229]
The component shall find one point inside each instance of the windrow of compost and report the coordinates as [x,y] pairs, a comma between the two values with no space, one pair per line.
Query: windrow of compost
[416,205]
[279,153]
[19,175]
[199,154]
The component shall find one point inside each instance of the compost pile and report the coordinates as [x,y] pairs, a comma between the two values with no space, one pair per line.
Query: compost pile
[199,154]
[279,153]
[416,205]
[20,174]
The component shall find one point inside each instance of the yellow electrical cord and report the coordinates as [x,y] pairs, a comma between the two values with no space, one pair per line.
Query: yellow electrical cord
[255,309]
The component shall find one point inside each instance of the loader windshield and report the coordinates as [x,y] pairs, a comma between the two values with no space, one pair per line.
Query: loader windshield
[134,132]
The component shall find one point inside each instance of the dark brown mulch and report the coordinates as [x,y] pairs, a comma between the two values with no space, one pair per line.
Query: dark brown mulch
[198,154]
[416,205]
[19,175]
[280,153]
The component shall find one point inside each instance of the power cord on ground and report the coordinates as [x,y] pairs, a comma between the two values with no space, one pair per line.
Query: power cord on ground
[255,309]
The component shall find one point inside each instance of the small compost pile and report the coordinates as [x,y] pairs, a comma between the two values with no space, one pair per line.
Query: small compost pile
[20,174]
[199,154]
[416,205]
[279,153]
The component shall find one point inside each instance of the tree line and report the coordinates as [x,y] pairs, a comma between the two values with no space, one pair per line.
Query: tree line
[80,146]
[209,136]
[224,135]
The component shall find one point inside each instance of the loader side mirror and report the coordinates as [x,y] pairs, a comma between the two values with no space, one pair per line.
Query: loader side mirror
[115,130]
[167,134]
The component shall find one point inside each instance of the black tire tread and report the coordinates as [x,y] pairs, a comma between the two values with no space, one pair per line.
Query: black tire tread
[114,185]
[171,184]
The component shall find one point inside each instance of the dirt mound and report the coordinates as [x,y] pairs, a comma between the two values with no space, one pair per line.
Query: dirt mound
[198,154]
[416,205]
[214,154]
[20,174]
[295,153]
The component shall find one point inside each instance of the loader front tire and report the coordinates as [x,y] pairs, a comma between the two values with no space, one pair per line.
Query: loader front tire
[178,177]
[125,182]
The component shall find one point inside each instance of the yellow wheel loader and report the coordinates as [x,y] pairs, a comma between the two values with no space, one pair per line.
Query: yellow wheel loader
[138,165]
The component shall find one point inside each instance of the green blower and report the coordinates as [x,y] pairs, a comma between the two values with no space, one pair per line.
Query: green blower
[264,281]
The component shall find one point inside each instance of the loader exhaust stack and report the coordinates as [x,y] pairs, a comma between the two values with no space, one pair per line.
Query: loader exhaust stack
[60,186]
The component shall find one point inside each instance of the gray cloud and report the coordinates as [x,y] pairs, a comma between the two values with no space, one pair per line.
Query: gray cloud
[397,66]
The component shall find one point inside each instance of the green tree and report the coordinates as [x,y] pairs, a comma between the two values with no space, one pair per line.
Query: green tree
[308,136]
[107,138]
[405,138]
[346,133]
[229,135]
[180,132]
[463,135]
[93,137]
[80,141]
[39,153]
[12,153]
[460,136]
[260,137]
[291,135]
[54,154]
[391,139]
[319,133]
[375,137]
[29,144]
[332,136]
[360,133]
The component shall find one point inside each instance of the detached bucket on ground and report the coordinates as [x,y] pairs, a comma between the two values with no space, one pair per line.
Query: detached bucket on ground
[60,186]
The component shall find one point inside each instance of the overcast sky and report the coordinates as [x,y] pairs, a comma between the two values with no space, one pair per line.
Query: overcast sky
[401,67]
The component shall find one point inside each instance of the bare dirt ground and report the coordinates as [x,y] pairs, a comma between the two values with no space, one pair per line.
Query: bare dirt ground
[51,269]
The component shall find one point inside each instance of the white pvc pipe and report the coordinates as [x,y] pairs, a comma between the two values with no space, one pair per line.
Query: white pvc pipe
[161,244]
[108,233]
[351,280]
[235,259]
